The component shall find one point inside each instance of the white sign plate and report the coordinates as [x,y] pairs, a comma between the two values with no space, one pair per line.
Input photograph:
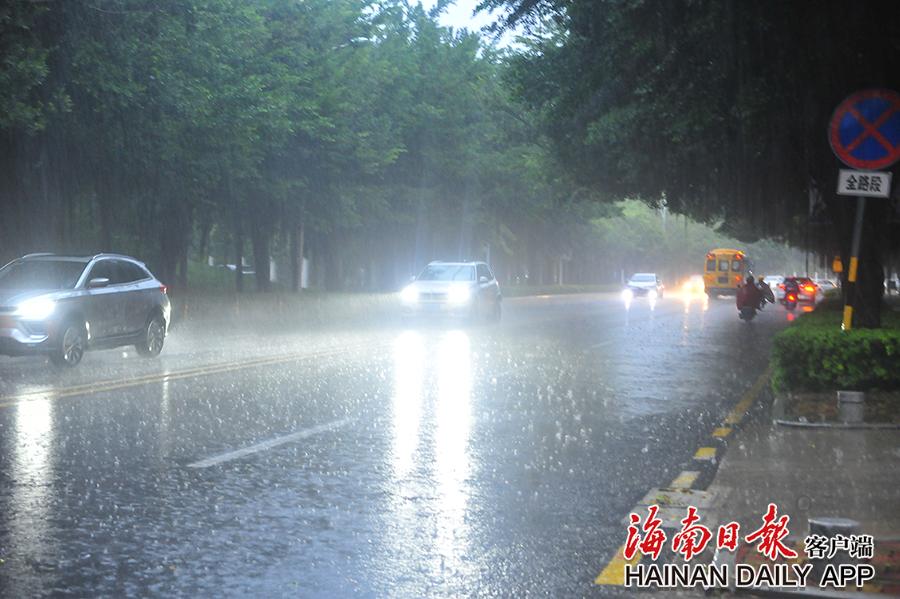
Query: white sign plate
[864,183]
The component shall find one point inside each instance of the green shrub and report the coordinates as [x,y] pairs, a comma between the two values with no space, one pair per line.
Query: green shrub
[815,356]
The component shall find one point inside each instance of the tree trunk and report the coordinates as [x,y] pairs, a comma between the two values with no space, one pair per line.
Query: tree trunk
[205,229]
[296,237]
[260,241]
[238,256]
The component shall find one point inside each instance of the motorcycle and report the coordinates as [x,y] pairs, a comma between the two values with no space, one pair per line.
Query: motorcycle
[747,313]
[790,300]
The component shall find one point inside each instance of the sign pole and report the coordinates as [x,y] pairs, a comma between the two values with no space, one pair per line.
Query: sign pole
[865,135]
[854,263]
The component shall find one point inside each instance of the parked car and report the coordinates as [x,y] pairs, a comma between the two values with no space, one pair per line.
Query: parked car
[826,285]
[462,289]
[643,284]
[62,306]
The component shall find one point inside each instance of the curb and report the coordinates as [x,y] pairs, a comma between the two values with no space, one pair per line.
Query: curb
[837,425]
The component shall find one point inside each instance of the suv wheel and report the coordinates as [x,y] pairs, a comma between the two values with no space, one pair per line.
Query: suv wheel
[72,344]
[154,338]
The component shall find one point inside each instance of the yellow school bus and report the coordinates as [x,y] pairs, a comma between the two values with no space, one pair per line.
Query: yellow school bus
[724,271]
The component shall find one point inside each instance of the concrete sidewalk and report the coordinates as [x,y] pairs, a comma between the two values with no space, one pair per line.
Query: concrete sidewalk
[812,473]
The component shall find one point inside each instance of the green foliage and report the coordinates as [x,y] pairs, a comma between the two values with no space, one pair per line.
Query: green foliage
[815,354]
[202,127]
[721,105]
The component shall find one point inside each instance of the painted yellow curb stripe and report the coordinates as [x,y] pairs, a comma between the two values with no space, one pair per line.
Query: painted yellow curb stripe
[737,414]
[685,479]
[614,572]
[705,453]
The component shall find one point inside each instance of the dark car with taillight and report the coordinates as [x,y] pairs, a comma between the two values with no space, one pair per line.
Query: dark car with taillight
[807,290]
[62,306]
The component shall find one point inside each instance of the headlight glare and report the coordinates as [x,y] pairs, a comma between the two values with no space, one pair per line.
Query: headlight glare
[627,295]
[459,294]
[409,295]
[37,308]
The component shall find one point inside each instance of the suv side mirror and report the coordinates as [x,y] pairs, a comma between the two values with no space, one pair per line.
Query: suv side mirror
[98,283]
[482,279]
[412,278]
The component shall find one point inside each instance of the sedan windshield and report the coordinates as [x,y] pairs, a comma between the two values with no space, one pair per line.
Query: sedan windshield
[448,272]
[41,274]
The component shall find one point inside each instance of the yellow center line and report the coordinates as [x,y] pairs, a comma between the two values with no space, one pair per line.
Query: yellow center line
[721,432]
[205,370]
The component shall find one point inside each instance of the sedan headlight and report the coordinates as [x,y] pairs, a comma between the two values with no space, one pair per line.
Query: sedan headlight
[37,308]
[459,294]
[652,294]
[627,295]
[409,295]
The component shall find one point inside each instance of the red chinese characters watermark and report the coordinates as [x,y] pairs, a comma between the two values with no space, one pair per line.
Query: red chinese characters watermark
[728,536]
[653,539]
[770,534]
[693,537]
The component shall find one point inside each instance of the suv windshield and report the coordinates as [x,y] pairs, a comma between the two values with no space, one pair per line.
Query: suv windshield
[448,272]
[643,278]
[41,274]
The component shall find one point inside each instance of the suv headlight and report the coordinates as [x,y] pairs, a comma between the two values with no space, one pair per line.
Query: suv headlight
[459,294]
[37,308]
[409,295]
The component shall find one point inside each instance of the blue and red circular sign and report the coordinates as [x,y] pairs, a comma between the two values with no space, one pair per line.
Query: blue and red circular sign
[865,129]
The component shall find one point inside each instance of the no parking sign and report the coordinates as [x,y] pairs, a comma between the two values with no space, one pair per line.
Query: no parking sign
[865,129]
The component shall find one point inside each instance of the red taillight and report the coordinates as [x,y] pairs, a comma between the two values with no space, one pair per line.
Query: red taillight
[809,288]
[792,298]
[781,285]
[163,288]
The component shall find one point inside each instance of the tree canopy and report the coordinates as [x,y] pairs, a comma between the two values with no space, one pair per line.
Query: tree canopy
[369,138]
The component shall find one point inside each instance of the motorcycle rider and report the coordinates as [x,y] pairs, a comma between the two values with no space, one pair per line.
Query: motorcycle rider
[749,294]
[791,287]
[765,292]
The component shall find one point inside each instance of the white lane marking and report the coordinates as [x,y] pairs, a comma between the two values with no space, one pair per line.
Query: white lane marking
[239,453]
[601,344]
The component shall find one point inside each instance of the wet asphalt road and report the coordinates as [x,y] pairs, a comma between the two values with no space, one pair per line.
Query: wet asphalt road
[385,461]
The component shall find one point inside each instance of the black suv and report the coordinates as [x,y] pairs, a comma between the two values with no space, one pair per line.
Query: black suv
[64,305]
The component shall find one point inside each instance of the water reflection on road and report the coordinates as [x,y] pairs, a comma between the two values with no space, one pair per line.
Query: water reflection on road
[32,478]
[430,464]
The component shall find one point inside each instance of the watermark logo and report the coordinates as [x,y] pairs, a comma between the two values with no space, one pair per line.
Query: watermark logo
[826,561]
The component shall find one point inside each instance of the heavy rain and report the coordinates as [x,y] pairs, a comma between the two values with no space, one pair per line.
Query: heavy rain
[342,298]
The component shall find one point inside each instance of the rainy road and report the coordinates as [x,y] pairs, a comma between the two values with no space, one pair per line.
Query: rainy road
[436,461]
